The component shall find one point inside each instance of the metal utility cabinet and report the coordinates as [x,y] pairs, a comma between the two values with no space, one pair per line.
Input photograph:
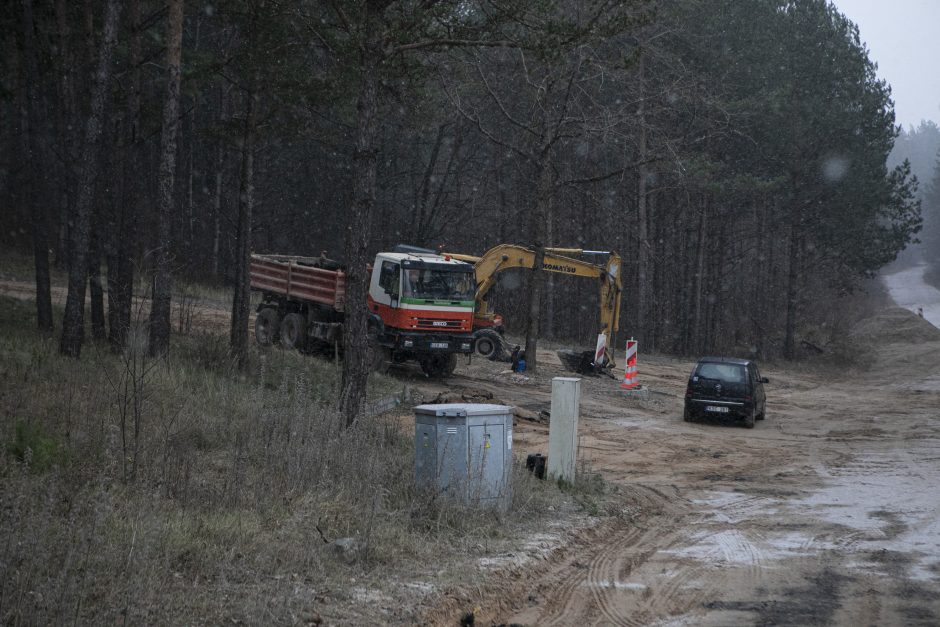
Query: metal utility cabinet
[464,451]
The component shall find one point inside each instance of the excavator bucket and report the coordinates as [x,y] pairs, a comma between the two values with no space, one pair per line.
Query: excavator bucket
[582,362]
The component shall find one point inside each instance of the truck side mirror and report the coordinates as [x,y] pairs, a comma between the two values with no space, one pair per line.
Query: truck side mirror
[764,380]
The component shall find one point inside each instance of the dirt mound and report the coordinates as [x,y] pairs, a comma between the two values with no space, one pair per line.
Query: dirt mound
[473,395]
[465,395]
[896,343]
[894,325]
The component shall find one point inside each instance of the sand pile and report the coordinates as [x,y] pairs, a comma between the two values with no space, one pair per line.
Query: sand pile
[897,344]
[894,326]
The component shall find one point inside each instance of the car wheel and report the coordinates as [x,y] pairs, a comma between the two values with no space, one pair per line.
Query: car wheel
[687,415]
[749,420]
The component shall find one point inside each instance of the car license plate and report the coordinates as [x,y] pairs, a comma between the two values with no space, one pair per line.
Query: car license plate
[720,410]
[439,345]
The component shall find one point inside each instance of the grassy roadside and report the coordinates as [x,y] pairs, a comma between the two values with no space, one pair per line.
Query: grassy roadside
[183,491]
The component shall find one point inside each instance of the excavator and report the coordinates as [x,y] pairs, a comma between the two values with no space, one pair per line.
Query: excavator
[487,325]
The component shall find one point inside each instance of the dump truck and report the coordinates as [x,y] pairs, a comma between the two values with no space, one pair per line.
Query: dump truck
[420,306]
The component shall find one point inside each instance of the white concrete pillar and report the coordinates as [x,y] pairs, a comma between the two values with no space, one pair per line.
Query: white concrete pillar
[563,428]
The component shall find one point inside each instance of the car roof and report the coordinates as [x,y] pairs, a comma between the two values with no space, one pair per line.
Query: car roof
[725,360]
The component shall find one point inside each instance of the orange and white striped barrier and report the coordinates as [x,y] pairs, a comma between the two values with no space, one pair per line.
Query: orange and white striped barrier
[599,350]
[630,371]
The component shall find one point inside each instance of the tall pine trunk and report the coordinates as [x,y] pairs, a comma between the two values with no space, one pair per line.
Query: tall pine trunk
[356,362]
[641,304]
[162,279]
[793,282]
[74,318]
[66,129]
[96,293]
[241,300]
[120,264]
[698,341]
[538,232]
[31,205]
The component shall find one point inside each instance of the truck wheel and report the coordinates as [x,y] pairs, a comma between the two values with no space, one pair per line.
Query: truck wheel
[436,366]
[450,365]
[266,326]
[381,358]
[489,344]
[292,331]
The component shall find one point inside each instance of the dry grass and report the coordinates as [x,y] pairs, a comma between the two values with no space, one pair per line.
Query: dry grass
[182,491]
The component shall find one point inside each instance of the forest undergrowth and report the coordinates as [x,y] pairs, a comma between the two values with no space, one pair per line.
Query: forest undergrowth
[140,490]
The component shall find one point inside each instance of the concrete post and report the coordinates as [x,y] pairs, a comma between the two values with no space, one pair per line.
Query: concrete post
[563,428]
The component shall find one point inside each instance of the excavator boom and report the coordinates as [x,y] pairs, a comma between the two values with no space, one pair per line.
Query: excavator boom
[506,256]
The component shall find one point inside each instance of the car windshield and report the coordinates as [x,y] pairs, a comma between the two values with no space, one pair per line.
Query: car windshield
[732,373]
[432,284]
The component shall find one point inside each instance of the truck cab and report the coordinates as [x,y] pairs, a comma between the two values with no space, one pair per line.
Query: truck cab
[422,307]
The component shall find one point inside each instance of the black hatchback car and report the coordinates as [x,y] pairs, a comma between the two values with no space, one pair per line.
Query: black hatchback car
[727,388]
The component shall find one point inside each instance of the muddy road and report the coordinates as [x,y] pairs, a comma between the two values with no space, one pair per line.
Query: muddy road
[828,512]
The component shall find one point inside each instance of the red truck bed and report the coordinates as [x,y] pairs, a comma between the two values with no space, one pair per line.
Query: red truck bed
[298,278]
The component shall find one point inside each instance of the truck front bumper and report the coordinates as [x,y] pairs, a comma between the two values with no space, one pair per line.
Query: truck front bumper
[432,342]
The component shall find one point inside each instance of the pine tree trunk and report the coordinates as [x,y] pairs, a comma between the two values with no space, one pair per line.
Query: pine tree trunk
[217,209]
[121,264]
[793,279]
[550,240]
[74,318]
[32,164]
[162,279]
[189,218]
[697,340]
[241,300]
[94,285]
[67,134]
[217,198]
[356,362]
[642,245]
[538,232]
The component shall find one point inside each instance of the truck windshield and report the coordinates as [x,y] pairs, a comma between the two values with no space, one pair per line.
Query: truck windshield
[431,284]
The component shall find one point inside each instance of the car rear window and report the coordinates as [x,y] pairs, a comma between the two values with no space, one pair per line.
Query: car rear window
[723,372]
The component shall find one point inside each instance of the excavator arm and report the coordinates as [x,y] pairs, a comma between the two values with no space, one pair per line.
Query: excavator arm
[506,256]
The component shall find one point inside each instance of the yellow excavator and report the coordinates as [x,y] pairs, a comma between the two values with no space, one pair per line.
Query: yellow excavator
[487,325]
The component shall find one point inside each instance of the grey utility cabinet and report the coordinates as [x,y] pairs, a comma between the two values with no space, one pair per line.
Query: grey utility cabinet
[464,451]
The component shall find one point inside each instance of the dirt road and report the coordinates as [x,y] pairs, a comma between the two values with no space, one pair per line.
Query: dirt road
[826,513]
[909,290]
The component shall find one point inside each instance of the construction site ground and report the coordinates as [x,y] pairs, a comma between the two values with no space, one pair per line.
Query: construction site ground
[827,512]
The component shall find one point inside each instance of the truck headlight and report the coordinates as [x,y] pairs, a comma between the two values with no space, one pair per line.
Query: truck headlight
[465,346]
[408,343]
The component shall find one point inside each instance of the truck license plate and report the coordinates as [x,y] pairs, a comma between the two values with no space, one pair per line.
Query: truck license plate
[439,345]
[720,410]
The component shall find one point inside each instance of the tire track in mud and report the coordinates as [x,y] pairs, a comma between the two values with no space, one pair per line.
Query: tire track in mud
[565,608]
[620,602]
[605,568]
